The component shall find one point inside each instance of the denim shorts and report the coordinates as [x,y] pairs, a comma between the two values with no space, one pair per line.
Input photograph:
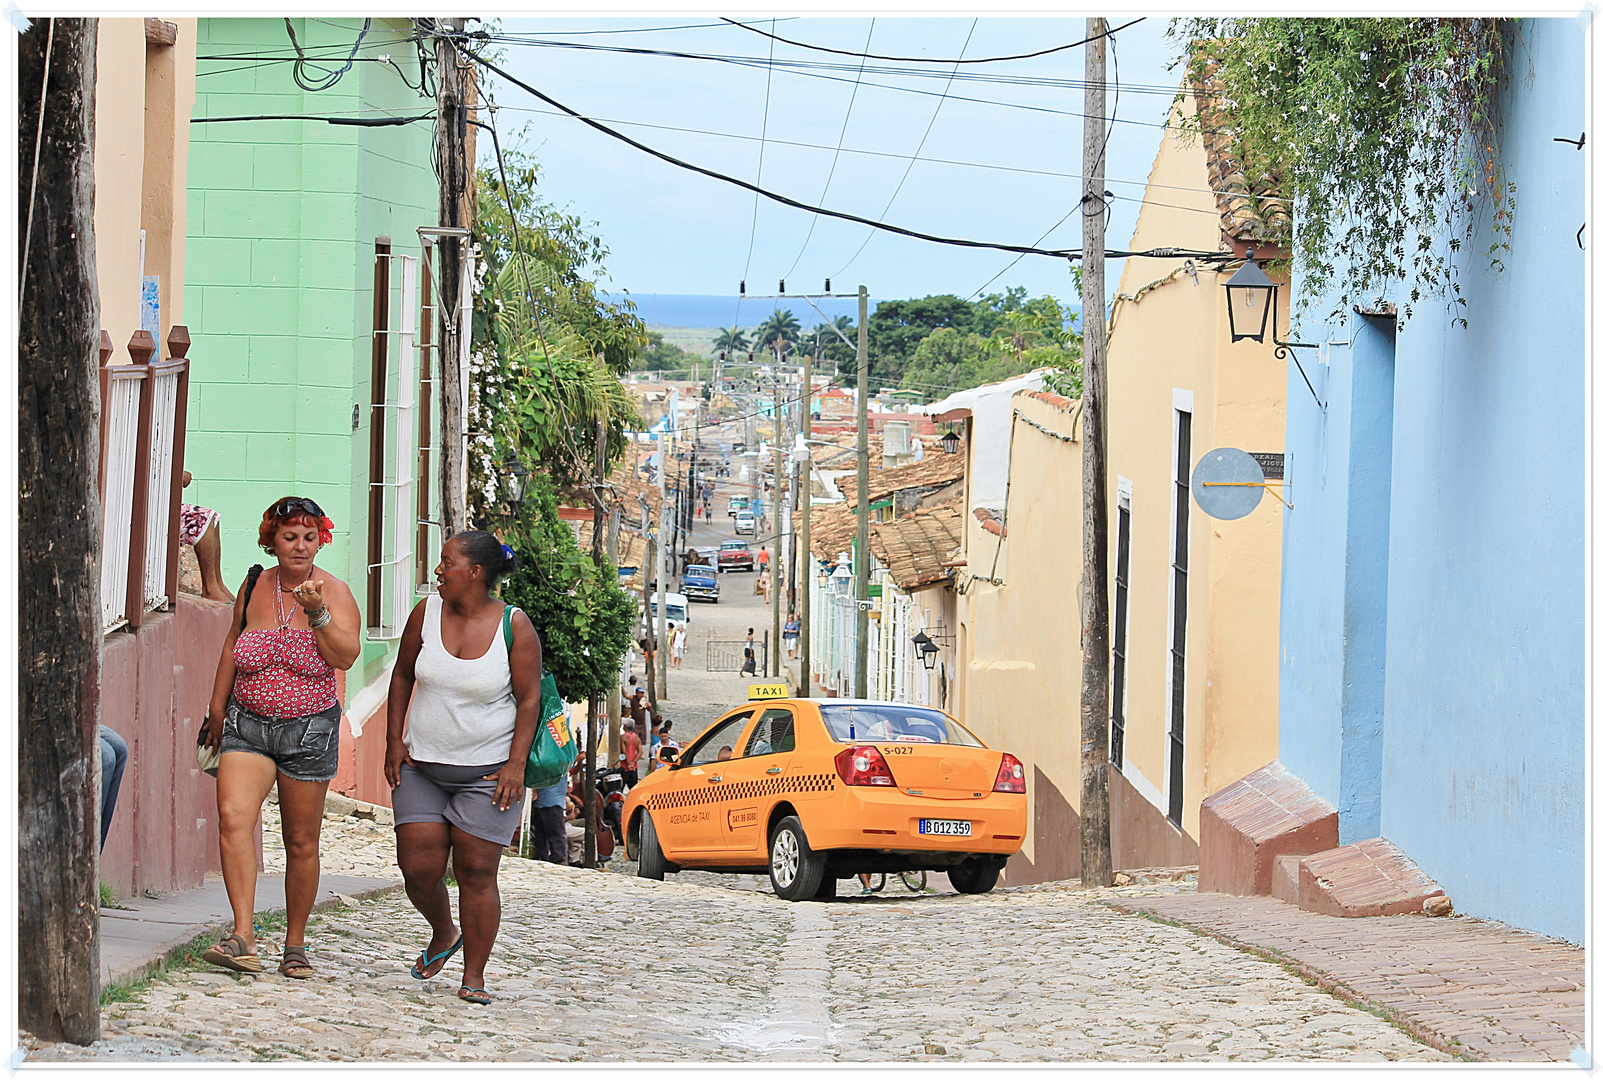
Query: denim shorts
[303,747]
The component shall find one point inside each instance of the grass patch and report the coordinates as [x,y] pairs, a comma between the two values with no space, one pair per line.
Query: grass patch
[109,897]
[185,957]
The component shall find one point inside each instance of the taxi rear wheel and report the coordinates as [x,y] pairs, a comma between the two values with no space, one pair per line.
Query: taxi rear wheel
[975,876]
[795,872]
[653,864]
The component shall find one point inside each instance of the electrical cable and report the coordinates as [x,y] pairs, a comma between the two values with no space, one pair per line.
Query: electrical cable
[785,200]
[328,78]
[835,160]
[344,121]
[926,60]
[919,149]
[756,201]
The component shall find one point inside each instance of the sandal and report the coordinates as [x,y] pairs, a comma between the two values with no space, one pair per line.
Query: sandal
[476,997]
[232,953]
[294,965]
[420,970]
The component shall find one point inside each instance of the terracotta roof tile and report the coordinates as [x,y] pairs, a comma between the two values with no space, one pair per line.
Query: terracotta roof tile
[1250,210]
[936,470]
[913,546]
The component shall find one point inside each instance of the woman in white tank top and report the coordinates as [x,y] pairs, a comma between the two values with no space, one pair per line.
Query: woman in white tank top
[462,715]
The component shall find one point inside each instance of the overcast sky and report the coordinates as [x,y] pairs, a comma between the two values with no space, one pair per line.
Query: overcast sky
[673,231]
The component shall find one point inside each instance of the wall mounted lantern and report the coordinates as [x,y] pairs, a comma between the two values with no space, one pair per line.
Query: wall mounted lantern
[1249,298]
[950,442]
[926,650]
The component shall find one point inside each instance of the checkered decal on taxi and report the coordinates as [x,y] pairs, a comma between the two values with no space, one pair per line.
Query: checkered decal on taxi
[743,791]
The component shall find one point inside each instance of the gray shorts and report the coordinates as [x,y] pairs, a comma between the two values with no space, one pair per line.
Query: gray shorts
[457,794]
[303,747]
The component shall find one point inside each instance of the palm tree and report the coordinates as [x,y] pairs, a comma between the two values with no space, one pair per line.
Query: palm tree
[779,330]
[731,339]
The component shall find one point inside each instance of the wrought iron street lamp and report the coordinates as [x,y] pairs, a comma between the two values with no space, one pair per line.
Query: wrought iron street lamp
[950,442]
[926,650]
[1249,298]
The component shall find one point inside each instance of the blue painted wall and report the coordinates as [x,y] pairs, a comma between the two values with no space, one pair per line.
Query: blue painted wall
[1478,611]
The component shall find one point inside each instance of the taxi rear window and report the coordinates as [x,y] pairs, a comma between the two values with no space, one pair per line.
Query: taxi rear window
[894,723]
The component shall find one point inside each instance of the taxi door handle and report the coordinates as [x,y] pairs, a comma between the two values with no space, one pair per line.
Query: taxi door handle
[713,779]
[775,769]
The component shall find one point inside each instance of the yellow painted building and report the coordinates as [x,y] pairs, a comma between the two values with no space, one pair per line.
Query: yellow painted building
[1194,601]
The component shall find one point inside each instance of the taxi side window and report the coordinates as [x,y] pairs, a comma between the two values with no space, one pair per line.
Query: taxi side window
[722,737]
[775,733]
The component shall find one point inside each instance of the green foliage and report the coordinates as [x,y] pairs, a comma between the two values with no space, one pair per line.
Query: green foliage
[731,339]
[547,351]
[1381,133]
[660,355]
[584,618]
[780,332]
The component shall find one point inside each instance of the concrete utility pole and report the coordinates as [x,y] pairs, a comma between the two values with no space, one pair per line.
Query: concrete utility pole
[774,561]
[1096,856]
[58,537]
[804,554]
[862,559]
[451,133]
[662,573]
[591,728]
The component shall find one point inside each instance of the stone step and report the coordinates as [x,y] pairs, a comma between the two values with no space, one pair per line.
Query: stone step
[1288,878]
[1371,877]
[1246,825]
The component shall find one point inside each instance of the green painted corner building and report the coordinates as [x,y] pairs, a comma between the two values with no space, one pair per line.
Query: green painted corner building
[286,278]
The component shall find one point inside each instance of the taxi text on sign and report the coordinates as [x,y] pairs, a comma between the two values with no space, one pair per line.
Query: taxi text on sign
[764,691]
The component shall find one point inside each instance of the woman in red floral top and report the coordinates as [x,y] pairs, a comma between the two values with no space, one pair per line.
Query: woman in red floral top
[275,715]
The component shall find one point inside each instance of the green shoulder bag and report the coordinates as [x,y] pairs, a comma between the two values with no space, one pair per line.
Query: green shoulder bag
[553,751]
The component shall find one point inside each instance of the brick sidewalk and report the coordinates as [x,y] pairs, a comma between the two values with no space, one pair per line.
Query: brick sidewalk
[1482,990]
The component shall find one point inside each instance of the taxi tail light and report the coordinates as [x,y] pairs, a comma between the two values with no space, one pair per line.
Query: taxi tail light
[1010,777]
[863,766]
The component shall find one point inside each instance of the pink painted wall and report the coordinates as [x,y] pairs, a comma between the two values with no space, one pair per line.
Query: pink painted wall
[361,774]
[155,684]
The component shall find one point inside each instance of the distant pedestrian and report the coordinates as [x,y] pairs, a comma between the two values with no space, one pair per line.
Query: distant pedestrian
[792,634]
[631,755]
[274,717]
[113,759]
[681,641]
[548,823]
[463,707]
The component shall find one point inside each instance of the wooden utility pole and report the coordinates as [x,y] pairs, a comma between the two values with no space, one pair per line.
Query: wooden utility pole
[450,128]
[1096,855]
[804,553]
[58,537]
[591,728]
[862,559]
[615,695]
[662,574]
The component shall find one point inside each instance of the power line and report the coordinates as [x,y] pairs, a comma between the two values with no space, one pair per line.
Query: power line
[327,79]
[926,60]
[1065,253]
[836,159]
[345,121]
[909,170]
[755,201]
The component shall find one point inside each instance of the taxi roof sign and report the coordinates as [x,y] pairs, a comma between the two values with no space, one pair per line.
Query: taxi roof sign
[765,691]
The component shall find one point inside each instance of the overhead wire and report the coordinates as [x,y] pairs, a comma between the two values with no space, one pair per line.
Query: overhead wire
[756,200]
[927,60]
[327,79]
[1066,253]
[836,159]
[918,150]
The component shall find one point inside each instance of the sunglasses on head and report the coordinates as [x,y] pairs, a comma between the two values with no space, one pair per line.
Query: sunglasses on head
[294,506]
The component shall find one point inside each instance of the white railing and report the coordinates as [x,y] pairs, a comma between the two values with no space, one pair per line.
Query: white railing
[143,414]
[398,484]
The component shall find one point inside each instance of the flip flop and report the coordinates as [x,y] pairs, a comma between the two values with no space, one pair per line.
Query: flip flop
[478,997]
[231,953]
[425,961]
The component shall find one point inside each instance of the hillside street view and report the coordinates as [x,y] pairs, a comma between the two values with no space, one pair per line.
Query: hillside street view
[802,540]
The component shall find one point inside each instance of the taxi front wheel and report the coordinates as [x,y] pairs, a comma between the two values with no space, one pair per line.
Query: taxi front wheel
[796,873]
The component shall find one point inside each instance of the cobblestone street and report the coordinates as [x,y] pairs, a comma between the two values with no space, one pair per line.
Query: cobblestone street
[606,967]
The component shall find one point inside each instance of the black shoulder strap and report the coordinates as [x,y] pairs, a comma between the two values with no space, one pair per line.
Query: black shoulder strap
[244,597]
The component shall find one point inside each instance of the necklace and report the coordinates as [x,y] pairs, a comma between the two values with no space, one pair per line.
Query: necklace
[284,619]
[278,576]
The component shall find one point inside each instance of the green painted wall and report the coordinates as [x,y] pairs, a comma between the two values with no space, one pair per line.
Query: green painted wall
[283,218]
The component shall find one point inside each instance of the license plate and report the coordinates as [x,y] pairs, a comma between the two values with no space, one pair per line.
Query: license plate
[936,827]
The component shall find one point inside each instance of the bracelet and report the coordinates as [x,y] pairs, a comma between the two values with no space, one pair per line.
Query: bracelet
[319,618]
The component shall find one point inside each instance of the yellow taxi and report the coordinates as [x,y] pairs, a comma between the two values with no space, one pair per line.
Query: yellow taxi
[810,791]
